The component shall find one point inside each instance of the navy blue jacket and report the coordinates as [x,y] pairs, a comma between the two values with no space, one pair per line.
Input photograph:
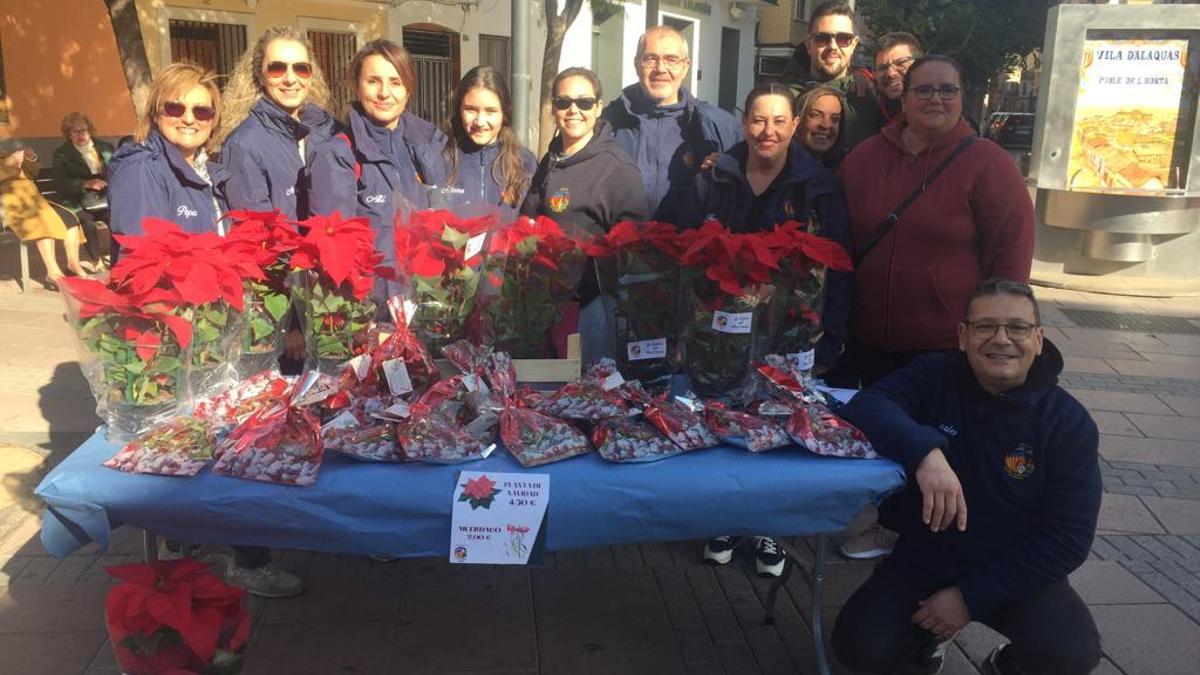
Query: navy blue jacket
[152,179]
[668,143]
[478,182]
[1027,461]
[806,192]
[593,189]
[361,173]
[263,157]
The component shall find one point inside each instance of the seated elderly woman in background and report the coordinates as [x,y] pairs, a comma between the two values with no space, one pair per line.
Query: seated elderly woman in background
[81,176]
[31,216]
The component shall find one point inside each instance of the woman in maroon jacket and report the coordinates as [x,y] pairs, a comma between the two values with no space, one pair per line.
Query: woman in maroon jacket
[914,274]
[974,221]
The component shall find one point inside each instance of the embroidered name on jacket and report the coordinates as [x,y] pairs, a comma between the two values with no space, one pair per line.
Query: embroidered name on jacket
[185,212]
[375,199]
[291,191]
[1019,462]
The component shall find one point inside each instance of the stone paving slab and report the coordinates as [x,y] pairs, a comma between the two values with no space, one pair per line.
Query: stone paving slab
[50,653]
[1126,513]
[1183,405]
[1151,450]
[1117,401]
[1105,582]
[1179,516]
[1148,639]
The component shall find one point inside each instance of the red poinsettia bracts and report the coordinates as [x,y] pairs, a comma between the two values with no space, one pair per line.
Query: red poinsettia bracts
[541,236]
[95,299]
[792,246]
[267,233]
[736,262]
[342,251]
[182,597]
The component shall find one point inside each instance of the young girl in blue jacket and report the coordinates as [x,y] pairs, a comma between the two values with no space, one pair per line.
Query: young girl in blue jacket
[483,158]
[275,109]
[167,173]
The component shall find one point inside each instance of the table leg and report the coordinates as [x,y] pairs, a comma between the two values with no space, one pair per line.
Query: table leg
[149,546]
[817,583]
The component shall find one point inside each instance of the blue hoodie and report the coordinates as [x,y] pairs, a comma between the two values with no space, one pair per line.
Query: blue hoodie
[1027,461]
[668,143]
[478,181]
[151,179]
[263,157]
[360,174]
[805,191]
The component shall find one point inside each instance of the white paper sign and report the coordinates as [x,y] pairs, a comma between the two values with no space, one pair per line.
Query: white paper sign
[737,324]
[647,349]
[397,377]
[474,246]
[496,516]
[802,361]
[361,365]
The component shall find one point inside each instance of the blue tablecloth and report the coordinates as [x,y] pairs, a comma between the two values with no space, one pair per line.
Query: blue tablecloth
[404,509]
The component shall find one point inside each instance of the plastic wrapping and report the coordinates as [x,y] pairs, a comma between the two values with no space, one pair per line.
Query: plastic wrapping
[745,430]
[401,365]
[225,410]
[532,437]
[178,447]
[582,402]
[266,309]
[632,439]
[680,424]
[375,442]
[437,440]
[721,333]
[280,443]
[218,334]
[335,322]
[820,431]
[532,270]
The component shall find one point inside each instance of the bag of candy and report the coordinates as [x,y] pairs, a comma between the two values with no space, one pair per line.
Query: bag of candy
[744,430]
[280,443]
[375,442]
[815,427]
[177,447]
[680,423]
[401,365]
[534,438]
[435,439]
[632,439]
[227,409]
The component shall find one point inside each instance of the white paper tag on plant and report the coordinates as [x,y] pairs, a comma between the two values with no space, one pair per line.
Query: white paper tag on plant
[361,365]
[474,246]
[802,361]
[728,322]
[397,377]
[647,349]
[612,381]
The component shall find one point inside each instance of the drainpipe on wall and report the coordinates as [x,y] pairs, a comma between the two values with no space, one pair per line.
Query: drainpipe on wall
[522,82]
[651,14]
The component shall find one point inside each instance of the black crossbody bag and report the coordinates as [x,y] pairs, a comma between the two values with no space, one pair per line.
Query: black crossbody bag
[890,222]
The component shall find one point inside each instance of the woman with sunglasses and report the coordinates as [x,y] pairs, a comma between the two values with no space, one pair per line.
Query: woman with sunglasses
[386,151]
[483,157]
[167,173]
[274,108]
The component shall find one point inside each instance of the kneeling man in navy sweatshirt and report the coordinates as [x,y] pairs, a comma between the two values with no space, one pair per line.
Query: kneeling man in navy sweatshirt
[988,433]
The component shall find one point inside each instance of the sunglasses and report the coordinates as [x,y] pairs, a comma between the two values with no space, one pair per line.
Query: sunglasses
[583,103]
[825,39]
[202,113]
[302,69]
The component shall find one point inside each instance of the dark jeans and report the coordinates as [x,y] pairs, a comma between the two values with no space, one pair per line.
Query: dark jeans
[1052,631]
[251,557]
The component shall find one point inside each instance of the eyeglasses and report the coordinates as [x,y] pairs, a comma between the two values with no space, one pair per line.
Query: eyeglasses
[202,113]
[583,103]
[825,39]
[901,65]
[78,131]
[944,92]
[670,61]
[302,69]
[986,330]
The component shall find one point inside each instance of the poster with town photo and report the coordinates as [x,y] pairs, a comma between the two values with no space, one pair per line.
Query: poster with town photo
[1127,116]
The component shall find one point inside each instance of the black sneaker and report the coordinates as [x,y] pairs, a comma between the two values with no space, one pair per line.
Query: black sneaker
[719,551]
[928,660]
[768,557]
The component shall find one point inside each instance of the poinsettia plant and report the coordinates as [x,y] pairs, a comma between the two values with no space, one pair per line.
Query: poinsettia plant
[639,271]
[533,267]
[268,239]
[438,260]
[725,282]
[794,315]
[340,266]
[175,618]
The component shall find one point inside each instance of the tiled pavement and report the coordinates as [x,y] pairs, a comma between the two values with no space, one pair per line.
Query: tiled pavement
[632,609]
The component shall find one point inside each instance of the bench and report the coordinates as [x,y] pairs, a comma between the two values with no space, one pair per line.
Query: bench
[46,185]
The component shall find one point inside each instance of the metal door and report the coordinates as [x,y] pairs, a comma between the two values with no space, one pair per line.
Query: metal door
[432,58]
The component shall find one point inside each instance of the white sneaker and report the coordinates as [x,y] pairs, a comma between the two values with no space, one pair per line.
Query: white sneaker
[268,581]
[719,550]
[768,557]
[874,542]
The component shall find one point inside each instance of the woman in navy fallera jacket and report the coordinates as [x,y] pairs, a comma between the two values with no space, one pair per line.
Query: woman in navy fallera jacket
[167,173]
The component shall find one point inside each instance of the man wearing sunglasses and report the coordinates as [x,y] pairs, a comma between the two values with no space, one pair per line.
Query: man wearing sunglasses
[825,58]
[987,428]
[666,130]
[894,53]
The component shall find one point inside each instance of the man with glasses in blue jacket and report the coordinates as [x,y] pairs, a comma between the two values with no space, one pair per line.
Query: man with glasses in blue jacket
[987,431]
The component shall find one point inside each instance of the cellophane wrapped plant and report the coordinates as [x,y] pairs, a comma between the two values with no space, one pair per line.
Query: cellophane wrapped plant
[269,239]
[725,285]
[175,617]
[532,269]
[794,314]
[338,263]
[208,272]
[439,258]
[132,347]
[639,273]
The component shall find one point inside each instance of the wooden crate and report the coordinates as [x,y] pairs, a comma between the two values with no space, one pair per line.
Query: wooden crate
[539,370]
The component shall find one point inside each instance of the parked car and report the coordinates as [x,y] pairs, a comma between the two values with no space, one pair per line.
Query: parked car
[1012,130]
